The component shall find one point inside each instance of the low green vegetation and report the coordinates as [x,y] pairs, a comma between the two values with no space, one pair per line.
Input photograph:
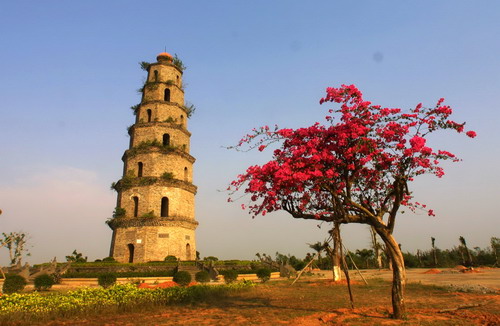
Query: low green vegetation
[182,278]
[131,274]
[170,258]
[264,274]
[202,277]
[13,283]
[44,282]
[33,307]
[230,275]
[106,279]
[167,176]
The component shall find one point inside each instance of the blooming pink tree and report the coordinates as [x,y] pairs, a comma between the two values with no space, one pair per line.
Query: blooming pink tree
[356,168]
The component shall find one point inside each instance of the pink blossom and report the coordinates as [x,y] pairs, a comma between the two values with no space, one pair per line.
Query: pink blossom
[471,134]
[417,143]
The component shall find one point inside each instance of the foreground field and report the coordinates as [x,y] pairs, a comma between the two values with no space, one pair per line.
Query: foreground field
[316,301]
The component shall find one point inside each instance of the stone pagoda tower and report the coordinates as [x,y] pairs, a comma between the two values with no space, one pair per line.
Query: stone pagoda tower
[154,215]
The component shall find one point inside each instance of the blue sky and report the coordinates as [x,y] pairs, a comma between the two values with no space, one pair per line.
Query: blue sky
[69,74]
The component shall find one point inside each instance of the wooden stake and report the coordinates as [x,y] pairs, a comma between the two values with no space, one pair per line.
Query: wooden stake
[346,273]
[354,264]
[303,269]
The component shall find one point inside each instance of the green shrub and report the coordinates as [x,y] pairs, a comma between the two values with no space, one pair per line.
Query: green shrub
[109,260]
[13,283]
[149,215]
[44,282]
[202,277]
[170,258]
[167,176]
[230,275]
[264,274]
[119,212]
[76,257]
[211,258]
[182,278]
[106,279]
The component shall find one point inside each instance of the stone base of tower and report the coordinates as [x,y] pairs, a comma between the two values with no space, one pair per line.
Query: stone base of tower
[139,244]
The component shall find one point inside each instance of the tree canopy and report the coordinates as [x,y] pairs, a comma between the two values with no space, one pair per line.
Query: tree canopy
[353,169]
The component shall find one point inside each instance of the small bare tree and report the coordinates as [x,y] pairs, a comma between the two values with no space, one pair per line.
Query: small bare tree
[467,251]
[16,243]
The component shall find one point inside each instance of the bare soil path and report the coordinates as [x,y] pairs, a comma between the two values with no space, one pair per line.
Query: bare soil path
[475,280]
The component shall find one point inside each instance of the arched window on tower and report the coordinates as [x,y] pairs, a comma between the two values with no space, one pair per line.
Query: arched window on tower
[185,174]
[166,140]
[178,80]
[139,169]
[136,205]
[167,95]
[156,75]
[164,207]
[149,114]
[182,120]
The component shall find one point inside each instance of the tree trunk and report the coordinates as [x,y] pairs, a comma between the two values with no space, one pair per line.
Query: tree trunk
[376,248]
[398,272]
[337,272]
[389,261]
[469,256]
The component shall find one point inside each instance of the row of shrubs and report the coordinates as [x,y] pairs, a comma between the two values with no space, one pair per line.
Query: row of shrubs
[16,283]
[120,274]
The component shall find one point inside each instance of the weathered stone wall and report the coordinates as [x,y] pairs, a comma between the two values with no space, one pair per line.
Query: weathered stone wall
[181,202]
[155,164]
[146,132]
[165,72]
[162,112]
[154,243]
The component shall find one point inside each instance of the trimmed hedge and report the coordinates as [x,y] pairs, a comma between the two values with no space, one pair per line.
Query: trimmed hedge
[182,278]
[13,283]
[264,274]
[202,277]
[106,280]
[230,275]
[120,274]
[44,282]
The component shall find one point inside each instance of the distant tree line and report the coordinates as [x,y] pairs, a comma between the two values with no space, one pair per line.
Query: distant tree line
[433,258]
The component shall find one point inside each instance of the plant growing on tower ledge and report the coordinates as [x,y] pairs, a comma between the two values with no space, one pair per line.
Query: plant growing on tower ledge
[119,212]
[176,61]
[189,108]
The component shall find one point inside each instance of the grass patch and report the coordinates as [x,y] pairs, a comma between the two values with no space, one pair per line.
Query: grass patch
[34,307]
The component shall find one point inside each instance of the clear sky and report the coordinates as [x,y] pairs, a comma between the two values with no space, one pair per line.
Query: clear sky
[69,73]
